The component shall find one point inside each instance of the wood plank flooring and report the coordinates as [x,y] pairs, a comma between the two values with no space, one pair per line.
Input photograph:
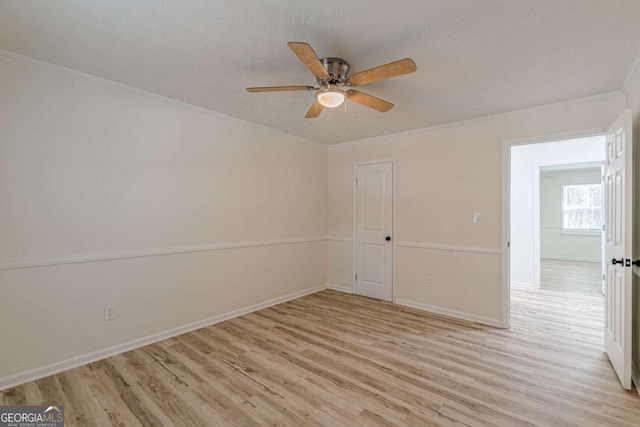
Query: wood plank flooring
[571,276]
[332,359]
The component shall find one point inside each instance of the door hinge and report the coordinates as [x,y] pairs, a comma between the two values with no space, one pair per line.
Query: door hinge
[356,181]
[356,277]
[604,227]
[603,278]
[508,244]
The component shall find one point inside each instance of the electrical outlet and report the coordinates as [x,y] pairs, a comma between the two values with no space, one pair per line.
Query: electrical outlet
[429,281]
[476,217]
[299,271]
[109,312]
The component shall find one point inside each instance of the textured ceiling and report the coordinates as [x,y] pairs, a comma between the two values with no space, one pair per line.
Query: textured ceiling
[474,57]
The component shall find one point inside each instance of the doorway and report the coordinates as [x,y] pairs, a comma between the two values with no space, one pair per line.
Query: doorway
[524,303]
[555,210]
[373,229]
[556,218]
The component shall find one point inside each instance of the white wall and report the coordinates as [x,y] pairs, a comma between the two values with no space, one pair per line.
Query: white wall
[526,161]
[554,243]
[444,174]
[91,170]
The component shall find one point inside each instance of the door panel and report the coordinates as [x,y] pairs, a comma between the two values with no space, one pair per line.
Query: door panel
[374,222]
[373,263]
[618,244]
[618,211]
[374,209]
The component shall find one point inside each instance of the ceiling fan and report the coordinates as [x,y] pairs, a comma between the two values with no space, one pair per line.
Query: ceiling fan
[335,85]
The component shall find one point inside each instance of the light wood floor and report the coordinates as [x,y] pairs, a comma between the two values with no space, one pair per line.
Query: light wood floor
[571,276]
[335,359]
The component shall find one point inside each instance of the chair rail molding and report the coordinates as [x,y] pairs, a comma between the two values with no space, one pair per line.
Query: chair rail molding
[141,253]
[449,248]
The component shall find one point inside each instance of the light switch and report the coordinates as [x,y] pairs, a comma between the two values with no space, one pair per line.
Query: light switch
[476,217]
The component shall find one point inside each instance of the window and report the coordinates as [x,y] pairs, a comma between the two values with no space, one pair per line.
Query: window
[582,207]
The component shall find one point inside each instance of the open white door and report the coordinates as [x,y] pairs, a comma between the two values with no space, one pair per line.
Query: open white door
[374,223]
[618,227]
[603,239]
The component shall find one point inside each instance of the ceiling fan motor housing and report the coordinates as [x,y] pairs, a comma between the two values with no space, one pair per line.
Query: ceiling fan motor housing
[337,69]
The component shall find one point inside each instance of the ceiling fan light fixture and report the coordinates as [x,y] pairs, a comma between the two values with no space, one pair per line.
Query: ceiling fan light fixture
[331,97]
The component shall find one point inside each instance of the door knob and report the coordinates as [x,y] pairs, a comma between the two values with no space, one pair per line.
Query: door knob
[617,261]
[388,238]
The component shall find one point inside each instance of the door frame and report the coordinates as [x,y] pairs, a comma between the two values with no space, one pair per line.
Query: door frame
[391,160]
[506,204]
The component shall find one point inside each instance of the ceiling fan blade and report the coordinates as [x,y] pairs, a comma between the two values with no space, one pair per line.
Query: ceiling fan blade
[314,111]
[309,59]
[278,88]
[393,69]
[369,101]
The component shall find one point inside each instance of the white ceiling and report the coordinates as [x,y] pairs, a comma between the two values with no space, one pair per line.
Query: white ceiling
[474,57]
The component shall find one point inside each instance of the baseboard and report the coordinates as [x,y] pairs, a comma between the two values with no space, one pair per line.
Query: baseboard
[571,258]
[451,313]
[340,288]
[64,365]
[635,376]
[524,284]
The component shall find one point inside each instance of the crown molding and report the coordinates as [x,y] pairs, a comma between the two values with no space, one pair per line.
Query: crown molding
[631,75]
[100,81]
[603,97]
[560,136]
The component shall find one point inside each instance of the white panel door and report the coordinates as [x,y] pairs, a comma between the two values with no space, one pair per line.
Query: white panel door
[618,222]
[603,235]
[374,224]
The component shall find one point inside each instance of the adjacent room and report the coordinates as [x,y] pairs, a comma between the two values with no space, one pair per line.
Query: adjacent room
[571,228]
[556,238]
[232,213]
